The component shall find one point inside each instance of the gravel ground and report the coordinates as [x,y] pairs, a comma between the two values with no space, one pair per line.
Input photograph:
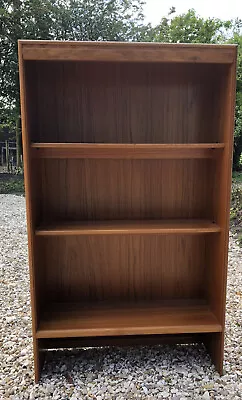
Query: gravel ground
[159,372]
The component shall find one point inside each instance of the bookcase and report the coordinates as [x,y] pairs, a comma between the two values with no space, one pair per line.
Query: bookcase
[127,161]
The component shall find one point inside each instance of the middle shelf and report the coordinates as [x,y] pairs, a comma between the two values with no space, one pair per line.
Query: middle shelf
[126,151]
[126,227]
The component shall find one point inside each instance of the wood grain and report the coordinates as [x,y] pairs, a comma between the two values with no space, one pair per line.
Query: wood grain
[31,196]
[125,103]
[127,52]
[125,189]
[128,227]
[214,343]
[126,151]
[124,267]
[71,320]
[217,276]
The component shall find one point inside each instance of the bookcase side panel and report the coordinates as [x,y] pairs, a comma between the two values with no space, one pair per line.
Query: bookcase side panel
[221,199]
[31,175]
[217,275]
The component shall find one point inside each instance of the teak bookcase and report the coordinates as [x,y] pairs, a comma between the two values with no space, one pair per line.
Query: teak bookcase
[127,156]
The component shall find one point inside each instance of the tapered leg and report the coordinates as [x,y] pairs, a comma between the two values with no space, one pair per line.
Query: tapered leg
[214,343]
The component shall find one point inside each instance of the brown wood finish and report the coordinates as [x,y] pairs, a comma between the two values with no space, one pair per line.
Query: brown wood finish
[125,189]
[151,227]
[30,173]
[214,343]
[125,267]
[217,276]
[127,154]
[131,52]
[125,103]
[73,320]
[126,151]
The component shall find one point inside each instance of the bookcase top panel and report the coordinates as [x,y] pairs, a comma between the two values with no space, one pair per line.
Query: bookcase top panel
[126,52]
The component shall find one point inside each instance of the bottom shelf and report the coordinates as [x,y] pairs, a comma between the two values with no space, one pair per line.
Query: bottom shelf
[111,319]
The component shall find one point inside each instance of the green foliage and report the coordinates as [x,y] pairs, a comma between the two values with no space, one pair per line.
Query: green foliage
[11,184]
[240,239]
[237,38]
[190,28]
[236,206]
[237,177]
[7,127]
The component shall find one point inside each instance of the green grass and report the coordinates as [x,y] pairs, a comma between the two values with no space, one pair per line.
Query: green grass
[11,184]
[237,177]
[240,239]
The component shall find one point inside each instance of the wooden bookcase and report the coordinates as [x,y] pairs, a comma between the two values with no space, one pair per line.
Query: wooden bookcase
[127,157]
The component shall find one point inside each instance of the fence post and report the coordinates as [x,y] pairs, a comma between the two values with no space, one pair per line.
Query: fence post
[7,154]
[2,156]
[18,143]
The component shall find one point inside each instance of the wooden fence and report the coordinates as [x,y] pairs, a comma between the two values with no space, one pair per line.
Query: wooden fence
[8,152]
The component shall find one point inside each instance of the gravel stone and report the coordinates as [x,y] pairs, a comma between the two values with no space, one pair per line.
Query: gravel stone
[149,373]
[165,395]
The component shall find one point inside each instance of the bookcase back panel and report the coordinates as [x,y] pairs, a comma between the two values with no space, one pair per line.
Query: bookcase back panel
[135,267]
[125,103]
[75,189]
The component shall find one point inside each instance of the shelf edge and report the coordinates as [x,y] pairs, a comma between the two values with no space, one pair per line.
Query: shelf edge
[152,227]
[126,151]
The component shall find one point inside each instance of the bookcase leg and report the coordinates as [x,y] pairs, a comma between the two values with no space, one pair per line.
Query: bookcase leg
[214,343]
[39,359]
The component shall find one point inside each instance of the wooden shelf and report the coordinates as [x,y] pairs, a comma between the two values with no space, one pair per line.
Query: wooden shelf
[122,151]
[106,319]
[126,227]
[126,52]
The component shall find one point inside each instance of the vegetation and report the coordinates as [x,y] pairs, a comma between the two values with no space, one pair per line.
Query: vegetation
[236,206]
[190,28]
[117,20]
[11,184]
[237,160]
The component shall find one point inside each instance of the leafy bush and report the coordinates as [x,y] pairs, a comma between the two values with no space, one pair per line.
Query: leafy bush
[11,184]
